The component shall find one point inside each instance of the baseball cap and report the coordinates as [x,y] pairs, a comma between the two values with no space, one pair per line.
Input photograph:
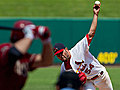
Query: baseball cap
[58,48]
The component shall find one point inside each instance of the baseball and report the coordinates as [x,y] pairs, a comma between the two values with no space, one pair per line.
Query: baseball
[97,2]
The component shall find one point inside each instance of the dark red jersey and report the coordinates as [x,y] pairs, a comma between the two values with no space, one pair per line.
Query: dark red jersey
[13,77]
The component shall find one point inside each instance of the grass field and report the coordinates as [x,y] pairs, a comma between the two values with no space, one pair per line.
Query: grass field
[45,78]
[57,8]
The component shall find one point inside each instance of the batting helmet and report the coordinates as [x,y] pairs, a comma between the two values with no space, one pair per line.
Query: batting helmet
[69,80]
[17,35]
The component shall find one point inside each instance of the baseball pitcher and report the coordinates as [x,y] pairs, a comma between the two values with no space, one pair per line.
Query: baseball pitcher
[80,59]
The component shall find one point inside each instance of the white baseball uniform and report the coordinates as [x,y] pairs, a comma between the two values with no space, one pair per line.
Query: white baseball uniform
[82,60]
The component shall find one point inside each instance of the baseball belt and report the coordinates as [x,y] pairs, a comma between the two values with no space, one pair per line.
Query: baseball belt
[95,77]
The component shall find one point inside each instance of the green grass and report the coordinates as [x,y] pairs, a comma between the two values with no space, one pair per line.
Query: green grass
[57,8]
[45,78]
[42,79]
[115,75]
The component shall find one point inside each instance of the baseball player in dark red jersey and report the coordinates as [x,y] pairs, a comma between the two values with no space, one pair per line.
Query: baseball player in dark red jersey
[15,62]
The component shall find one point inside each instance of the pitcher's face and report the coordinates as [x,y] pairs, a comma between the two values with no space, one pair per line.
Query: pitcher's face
[64,55]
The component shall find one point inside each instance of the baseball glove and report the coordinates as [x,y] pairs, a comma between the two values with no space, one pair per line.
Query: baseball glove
[82,77]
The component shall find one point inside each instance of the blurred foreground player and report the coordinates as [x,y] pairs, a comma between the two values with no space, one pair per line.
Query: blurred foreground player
[15,62]
[80,59]
[70,81]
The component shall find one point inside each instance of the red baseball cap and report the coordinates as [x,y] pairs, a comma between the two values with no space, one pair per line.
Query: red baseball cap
[58,48]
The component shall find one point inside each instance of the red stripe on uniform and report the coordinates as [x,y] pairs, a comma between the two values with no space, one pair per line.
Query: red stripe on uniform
[89,40]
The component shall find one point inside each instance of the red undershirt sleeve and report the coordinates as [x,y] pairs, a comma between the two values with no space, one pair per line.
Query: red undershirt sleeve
[89,40]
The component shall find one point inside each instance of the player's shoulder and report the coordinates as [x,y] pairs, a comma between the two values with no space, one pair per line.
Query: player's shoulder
[6,45]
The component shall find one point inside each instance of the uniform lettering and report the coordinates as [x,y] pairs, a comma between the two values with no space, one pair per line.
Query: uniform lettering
[91,66]
[79,62]
[21,68]
[87,70]
[83,67]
